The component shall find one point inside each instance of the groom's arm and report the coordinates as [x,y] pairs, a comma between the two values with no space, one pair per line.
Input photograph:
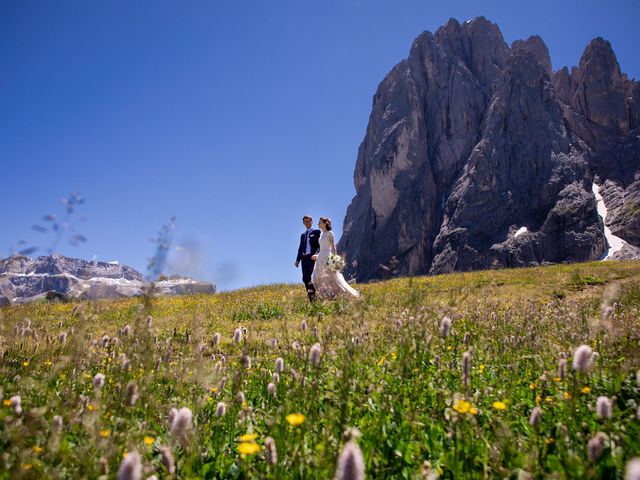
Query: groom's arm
[300,252]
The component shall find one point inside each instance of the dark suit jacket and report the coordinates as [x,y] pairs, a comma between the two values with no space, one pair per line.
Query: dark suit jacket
[314,243]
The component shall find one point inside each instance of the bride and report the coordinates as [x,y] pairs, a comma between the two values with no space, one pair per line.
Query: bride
[327,282]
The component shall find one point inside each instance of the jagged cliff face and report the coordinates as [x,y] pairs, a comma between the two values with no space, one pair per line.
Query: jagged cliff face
[469,140]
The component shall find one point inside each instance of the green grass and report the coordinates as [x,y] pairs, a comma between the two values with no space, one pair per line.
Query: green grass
[385,371]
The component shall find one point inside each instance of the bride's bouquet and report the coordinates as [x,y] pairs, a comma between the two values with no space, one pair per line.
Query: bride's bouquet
[335,263]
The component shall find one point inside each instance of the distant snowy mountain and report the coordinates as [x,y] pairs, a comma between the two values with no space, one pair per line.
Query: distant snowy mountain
[24,279]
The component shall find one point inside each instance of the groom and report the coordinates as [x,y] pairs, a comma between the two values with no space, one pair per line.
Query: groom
[309,246]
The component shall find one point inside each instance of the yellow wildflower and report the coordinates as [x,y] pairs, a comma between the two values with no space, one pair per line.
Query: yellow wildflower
[6,403]
[248,448]
[585,390]
[25,466]
[566,395]
[481,368]
[295,419]
[381,361]
[538,399]
[91,408]
[548,399]
[498,405]
[149,440]
[394,355]
[25,363]
[532,386]
[105,433]
[48,363]
[38,449]
[462,406]
[473,411]
[549,441]
[556,379]
[450,347]
[248,437]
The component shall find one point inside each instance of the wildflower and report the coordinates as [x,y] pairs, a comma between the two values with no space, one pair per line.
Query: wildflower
[315,332]
[25,363]
[131,467]
[466,367]
[248,448]
[181,423]
[149,440]
[445,327]
[26,466]
[582,359]
[240,397]
[131,394]
[462,406]
[248,437]
[237,335]
[126,330]
[271,389]
[586,390]
[16,404]
[596,445]
[549,440]
[536,415]
[473,411]
[62,337]
[246,361]
[37,449]
[56,423]
[566,395]
[381,361]
[314,355]
[275,378]
[149,321]
[270,450]
[105,341]
[172,414]
[465,339]
[295,419]
[105,433]
[98,381]
[221,409]
[548,399]
[436,362]
[6,403]
[603,407]
[303,325]
[167,459]
[481,368]
[499,405]
[532,386]
[216,339]
[632,469]
[350,463]
[279,365]
[562,368]
[223,383]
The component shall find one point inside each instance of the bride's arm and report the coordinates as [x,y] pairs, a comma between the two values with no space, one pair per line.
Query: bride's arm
[333,246]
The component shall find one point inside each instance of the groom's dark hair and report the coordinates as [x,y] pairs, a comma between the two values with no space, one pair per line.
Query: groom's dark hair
[307,216]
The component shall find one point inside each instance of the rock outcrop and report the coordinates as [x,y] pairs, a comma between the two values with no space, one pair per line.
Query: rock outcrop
[23,279]
[478,155]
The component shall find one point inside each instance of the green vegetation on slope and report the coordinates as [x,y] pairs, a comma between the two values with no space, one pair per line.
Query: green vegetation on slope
[388,378]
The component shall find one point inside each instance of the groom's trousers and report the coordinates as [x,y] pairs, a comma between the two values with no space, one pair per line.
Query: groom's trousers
[307,270]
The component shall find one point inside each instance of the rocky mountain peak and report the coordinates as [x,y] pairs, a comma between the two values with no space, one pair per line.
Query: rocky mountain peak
[536,47]
[477,155]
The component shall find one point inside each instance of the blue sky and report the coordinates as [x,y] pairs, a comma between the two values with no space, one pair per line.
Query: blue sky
[236,117]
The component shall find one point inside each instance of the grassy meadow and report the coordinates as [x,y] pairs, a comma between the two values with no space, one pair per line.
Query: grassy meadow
[97,381]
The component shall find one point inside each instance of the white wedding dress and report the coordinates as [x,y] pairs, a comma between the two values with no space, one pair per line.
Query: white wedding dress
[327,282]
